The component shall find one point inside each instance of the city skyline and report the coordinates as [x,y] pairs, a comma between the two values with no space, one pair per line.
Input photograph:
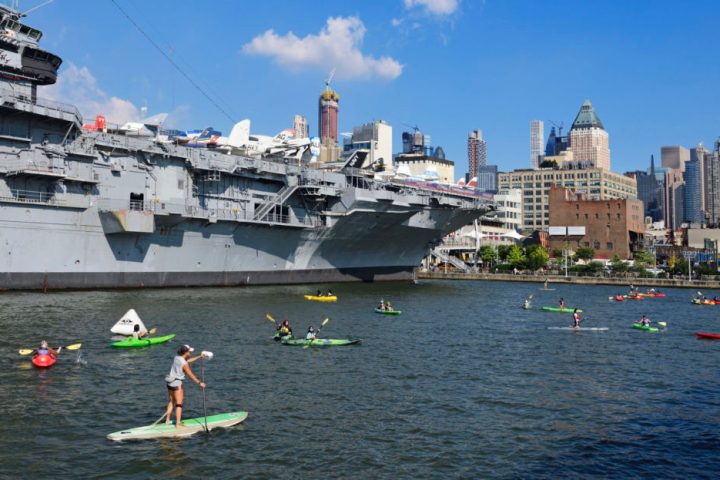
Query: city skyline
[393,58]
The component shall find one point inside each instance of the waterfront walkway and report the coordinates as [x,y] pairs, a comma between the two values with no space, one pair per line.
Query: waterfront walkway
[625,281]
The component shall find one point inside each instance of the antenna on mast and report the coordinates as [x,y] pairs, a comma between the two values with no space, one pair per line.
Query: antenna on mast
[24,14]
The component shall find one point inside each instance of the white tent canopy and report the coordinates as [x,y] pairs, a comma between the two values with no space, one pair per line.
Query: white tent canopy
[126,324]
[513,234]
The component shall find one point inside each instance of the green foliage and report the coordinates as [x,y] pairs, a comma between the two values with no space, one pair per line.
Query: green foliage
[617,265]
[591,268]
[557,252]
[503,251]
[537,258]
[487,253]
[643,257]
[516,256]
[680,267]
[549,164]
[584,253]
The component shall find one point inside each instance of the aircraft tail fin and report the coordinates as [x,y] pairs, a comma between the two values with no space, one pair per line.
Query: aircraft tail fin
[240,134]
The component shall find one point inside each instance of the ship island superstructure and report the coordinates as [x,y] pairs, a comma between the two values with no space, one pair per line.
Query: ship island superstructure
[99,208]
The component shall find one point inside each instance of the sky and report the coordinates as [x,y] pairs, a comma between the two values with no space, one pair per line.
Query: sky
[446,66]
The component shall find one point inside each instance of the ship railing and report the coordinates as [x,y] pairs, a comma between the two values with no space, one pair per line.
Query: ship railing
[31,196]
[46,103]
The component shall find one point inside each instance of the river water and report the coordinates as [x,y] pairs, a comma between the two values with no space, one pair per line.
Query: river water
[464,384]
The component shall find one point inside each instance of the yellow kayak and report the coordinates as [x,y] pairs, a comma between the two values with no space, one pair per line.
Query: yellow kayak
[332,298]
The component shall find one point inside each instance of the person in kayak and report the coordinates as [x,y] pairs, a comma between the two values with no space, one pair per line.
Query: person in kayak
[180,367]
[284,329]
[137,334]
[310,333]
[576,319]
[389,306]
[382,304]
[562,303]
[329,293]
[527,304]
[644,321]
[618,298]
[43,349]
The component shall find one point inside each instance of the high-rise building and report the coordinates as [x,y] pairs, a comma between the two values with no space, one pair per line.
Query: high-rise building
[595,183]
[712,186]
[537,136]
[328,116]
[699,154]
[477,152]
[692,194]
[674,198]
[674,156]
[650,191]
[487,178]
[556,143]
[588,139]
[372,142]
[301,127]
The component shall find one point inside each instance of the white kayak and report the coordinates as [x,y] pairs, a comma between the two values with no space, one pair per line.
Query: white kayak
[190,426]
[582,329]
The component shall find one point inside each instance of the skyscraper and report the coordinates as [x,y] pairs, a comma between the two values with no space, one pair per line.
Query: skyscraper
[487,178]
[301,127]
[477,152]
[712,186]
[328,116]
[650,191]
[537,135]
[588,138]
[674,156]
[692,196]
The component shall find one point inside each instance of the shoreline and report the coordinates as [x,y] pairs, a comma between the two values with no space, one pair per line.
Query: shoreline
[571,280]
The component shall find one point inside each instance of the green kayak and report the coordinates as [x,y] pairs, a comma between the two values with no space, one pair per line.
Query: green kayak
[277,337]
[143,342]
[388,312]
[639,326]
[190,427]
[319,342]
[558,309]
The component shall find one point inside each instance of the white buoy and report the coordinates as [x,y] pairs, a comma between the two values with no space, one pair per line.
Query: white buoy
[126,324]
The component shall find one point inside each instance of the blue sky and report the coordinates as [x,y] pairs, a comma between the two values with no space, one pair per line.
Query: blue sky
[447,66]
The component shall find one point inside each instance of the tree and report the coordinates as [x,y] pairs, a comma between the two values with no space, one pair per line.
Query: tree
[557,252]
[584,253]
[537,258]
[549,164]
[503,251]
[516,257]
[672,261]
[487,254]
[617,264]
[643,257]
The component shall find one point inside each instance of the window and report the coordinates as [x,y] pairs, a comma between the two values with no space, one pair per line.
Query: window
[618,216]
[597,215]
[577,216]
[586,216]
[596,245]
[609,245]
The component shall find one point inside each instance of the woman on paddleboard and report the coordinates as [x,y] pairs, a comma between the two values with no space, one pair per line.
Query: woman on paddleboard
[576,319]
[562,303]
[179,369]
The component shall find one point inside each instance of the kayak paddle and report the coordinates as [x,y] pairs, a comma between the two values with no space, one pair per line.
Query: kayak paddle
[325,322]
[28,351]
[662,324]
[270,318]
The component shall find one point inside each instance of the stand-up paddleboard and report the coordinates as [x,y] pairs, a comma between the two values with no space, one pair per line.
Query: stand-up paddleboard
[126,325]
[191,427]
[558,309]
[580,329]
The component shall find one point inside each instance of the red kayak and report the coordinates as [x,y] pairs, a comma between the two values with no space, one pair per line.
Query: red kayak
[44,360]
[708,336]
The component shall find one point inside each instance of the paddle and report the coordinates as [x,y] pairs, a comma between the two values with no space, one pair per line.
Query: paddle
[325,322]
[28,351]
[662,324]
[270,318]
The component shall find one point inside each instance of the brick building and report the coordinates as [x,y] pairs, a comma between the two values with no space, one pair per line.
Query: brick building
[612,226]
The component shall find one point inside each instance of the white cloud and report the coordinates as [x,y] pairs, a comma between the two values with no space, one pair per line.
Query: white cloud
[396,22]
[77,86]
[336,46]
[435,7]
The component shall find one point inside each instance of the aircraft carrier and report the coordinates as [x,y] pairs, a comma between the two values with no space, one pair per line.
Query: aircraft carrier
[100,208]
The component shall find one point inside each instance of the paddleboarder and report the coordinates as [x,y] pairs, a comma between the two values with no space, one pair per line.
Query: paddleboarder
[562,304]
[179,369]
[576,319]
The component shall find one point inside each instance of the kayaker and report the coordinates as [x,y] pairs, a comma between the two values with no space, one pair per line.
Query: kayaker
[179,369]
[389,306]
[319,293]
[329,293]
[43,349]
[310,333]
[284,329]
[619,297]
[137,334]
[382,304]
[576,319]
[526,304]
[562,303]
[644,321]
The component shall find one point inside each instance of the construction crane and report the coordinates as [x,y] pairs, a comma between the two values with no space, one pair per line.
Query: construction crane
[329,79]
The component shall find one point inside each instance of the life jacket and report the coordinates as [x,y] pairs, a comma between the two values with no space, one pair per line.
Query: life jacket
[43,351]
[284,330]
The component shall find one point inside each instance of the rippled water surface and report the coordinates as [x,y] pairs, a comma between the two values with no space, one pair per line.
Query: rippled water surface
[463,384]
